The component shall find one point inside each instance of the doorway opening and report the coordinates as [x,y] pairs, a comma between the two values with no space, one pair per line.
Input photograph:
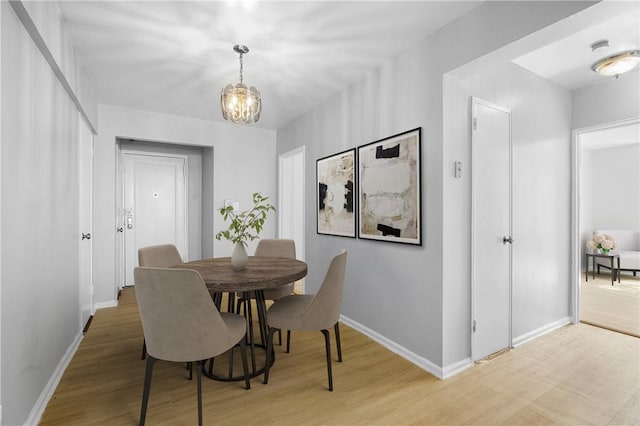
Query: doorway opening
[291,185]
[610,204]
[196,194]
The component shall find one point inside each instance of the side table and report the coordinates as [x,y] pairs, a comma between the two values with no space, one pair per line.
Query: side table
[611,256]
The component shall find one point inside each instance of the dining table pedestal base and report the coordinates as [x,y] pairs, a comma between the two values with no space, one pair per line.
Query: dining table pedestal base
[261,273]
[227,367]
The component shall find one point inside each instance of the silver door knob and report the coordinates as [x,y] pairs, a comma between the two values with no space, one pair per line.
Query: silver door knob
[86,236]
[507,240]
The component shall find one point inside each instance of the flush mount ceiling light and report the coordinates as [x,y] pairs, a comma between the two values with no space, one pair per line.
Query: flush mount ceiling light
[614,66]
[239,103]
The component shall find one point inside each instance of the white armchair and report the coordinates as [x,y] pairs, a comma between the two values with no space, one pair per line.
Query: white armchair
[628,243]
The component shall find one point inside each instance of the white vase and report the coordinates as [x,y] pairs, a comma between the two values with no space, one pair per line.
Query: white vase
[239,257]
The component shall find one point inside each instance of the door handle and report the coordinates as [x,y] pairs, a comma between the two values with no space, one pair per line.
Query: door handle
[86,236]
[507,240]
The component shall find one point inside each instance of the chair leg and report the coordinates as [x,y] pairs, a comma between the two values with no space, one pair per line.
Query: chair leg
[267,364]
[336,327]
[231,362]
[245,367]
[249,317]
[217,300]
[240,302]
[279,337]
[231,298]
[199,380]
[147,386]
[189,367]
[288,340]
[327,344]
[144,348]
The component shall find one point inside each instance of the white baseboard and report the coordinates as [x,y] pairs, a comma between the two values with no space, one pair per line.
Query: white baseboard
[421,362]
[451,369]
[46,394]
[457,367]
[102,305]
[517,341]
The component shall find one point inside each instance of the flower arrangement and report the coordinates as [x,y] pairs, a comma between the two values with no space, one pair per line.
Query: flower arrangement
[246,225]
[603,243]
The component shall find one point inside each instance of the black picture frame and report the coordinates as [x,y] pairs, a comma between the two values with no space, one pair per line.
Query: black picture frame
[335,196]
[390,189]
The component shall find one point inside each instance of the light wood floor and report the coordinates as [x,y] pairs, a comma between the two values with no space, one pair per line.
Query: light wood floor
[616,307]
[576,375]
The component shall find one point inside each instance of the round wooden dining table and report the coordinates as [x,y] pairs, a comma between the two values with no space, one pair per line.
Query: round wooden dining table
[261,273]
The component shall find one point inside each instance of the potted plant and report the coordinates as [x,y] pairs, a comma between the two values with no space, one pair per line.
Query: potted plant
[245,226]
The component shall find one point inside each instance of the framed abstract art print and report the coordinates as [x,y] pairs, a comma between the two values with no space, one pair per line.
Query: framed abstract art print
[389,194]
[335,183]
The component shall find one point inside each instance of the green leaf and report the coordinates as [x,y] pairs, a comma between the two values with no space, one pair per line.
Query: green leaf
[241,223]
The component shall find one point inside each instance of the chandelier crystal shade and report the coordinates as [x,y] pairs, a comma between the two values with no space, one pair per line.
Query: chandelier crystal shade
[240,103]
[616,65]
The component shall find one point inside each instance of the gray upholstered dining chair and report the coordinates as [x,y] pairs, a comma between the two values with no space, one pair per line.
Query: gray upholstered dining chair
[160,256]
[311,312]
[182,324]
[276,248]
[272,248]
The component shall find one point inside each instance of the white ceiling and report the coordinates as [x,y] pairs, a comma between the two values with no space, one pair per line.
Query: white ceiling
[175,56]
[567,62]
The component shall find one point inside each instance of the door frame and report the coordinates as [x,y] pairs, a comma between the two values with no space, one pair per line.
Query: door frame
[84,131]
[299,151]
[474,100]
[576,246]
[120,204]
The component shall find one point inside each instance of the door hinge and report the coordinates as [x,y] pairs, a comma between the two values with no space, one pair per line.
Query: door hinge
[475,123]
[473,327]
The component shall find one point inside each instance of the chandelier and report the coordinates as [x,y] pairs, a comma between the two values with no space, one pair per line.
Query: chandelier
[239,103]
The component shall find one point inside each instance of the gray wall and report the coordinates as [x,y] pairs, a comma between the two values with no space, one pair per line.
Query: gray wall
[541,128]
[614,189]
[613,100]
[40,312]
[399,292]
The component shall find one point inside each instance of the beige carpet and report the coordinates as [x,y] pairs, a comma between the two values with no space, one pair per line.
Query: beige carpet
[616,307]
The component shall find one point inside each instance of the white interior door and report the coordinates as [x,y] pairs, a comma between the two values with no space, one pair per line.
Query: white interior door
[154,205]
[291,201]
[85,152]
[491,228]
